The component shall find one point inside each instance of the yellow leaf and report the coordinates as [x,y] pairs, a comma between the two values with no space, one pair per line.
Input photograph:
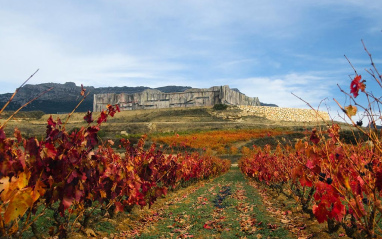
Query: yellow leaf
[23,179]
[129,168]
[103,194]
[38,190]
[18,206]
[346,183]
[351,110]
[4,188]
[8,189]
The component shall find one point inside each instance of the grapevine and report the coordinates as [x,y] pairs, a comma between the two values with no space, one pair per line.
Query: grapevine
[335,182]
[76,173]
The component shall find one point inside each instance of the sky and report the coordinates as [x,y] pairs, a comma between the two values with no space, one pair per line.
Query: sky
[265,48]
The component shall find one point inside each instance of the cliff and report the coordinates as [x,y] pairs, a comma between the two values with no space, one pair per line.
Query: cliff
[156,99]
[64,97]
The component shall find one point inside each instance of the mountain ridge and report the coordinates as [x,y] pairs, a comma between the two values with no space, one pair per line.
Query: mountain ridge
[64,98]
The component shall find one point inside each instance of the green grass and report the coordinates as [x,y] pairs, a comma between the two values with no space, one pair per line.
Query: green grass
[190,216]
[46,221]
[105,226]
[273,141]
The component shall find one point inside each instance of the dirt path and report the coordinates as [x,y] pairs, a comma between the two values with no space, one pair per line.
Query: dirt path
[229,206]
[226,207]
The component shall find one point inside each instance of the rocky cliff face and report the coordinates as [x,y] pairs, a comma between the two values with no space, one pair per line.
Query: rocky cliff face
[155,99]
[64,97]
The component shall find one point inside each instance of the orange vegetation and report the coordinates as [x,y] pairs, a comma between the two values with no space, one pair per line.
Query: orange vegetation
[218,139]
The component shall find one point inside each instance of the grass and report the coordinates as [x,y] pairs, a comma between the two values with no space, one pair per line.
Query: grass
[166,121]
[46,221]
[275,140]
[105,226]
[226,207]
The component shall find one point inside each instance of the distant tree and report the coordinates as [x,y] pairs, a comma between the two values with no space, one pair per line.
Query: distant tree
[220,107]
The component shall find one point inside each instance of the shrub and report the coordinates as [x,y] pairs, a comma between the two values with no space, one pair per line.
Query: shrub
[220,107]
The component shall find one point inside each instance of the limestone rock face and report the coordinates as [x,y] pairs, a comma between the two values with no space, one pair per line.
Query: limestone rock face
[155,99]
[65,97]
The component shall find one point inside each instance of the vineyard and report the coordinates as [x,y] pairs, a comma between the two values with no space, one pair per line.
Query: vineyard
[335,182]
[221,141]
[74,176]
[77,180]
[318,182]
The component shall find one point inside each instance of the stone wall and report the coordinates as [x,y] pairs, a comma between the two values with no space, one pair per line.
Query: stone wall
[284,114]
[155,99]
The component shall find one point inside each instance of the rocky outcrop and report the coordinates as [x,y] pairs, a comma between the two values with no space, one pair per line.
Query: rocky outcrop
[155,99]
[65,97]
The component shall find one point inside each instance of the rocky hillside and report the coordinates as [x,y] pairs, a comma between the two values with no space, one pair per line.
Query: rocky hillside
[64,97]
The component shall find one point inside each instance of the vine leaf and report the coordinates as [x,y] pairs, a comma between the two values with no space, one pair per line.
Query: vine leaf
[18,205]
[357,85]
[351,110]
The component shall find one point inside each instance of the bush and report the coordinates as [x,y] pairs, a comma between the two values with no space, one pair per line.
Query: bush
[101,133]
[220,107]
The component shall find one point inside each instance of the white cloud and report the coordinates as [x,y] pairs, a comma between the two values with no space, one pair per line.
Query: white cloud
[197,43]
[278,89]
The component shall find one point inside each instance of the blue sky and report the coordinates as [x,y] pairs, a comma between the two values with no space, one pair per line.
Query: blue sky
[264,48]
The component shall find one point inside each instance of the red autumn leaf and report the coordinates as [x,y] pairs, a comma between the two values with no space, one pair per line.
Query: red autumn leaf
[320,212]
[313,137]
[378,180]
[51,122]
[142,203]
[67,202]
[310,164]
[272,226]
[102,117]
[338,211]
[117,107]
[88,117]
[357,85]
[305,181]
[111,110]
[118,207]
[78,195]
[32,147]
[72,176]
[206,226]
[49,151]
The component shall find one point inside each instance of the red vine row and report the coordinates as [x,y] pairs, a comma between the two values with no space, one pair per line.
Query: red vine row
[73,173]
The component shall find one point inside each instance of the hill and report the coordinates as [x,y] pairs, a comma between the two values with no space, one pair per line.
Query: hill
[64,97]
